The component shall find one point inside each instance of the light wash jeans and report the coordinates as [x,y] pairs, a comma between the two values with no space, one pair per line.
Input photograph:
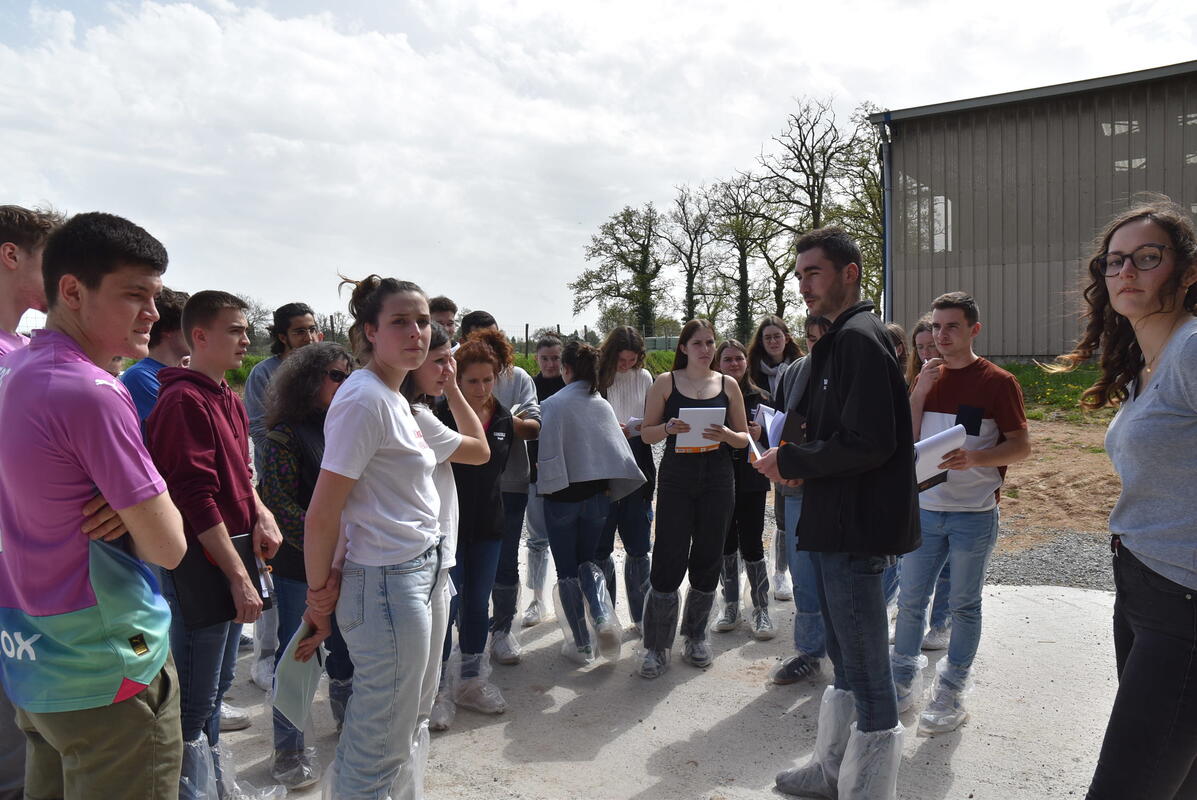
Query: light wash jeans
[538,533]
[385,615]
[809,636]
[964,540]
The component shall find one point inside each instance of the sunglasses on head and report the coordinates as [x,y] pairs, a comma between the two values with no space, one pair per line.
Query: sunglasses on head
[337,375]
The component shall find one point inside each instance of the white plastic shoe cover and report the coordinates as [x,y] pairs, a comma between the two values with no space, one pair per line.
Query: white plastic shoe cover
[819,777]
[233,789]
[479,694]
[198,780]
[946,711]
[870,768]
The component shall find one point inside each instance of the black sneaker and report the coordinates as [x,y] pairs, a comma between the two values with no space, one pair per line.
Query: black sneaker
[293,769]
[796,668]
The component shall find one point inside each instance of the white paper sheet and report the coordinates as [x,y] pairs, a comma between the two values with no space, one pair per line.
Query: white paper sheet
[929,453]
[772,421]
[699,419]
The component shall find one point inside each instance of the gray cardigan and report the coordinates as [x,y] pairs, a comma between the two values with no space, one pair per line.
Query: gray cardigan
[791,386]
[580,440]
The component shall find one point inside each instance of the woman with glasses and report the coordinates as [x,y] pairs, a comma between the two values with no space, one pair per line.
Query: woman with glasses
[770,351]
[298,399]
[1142,298]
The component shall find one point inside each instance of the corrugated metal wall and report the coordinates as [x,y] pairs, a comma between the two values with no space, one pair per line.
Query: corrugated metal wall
[1003,202]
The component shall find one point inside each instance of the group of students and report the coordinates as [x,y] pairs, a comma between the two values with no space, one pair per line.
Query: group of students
[377,494]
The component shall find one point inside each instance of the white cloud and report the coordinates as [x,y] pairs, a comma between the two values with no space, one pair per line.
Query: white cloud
[474,147]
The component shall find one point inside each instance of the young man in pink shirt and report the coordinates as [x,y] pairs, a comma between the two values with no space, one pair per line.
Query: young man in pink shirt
[89,667]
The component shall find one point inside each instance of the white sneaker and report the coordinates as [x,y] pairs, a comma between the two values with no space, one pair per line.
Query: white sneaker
[532,616]
[261,674]
[945,713]
[937,638]
[233,718]
[782,589]
[505,648]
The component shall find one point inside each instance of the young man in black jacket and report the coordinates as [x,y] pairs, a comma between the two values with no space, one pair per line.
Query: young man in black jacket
[859,512]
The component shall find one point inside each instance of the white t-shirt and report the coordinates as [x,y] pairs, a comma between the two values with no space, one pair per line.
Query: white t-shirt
[371,436]
[444,442]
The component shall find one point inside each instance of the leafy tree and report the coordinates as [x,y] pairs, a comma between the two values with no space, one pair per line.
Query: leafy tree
[741,224]
[628,256]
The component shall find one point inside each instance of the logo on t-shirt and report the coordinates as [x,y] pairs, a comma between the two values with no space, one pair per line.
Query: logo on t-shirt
[110,384]
[15,646]
[4,374]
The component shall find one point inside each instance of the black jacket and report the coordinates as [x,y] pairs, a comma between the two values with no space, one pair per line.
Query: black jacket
[858,457]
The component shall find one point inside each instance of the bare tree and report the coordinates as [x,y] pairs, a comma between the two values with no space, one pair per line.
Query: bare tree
[629,255]
[690,238]
[259,316]
[860,202]
[334,326]
[742,223]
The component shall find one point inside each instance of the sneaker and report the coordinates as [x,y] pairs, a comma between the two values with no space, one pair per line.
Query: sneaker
[443,712]
[582,655]
[293,769]
[261,674]
[729,618]
[782,589]
[796,668]
[937,638]
[697,652]
[945,713]
[654,663]
[233,718]
[762,626]
[610,639]
[533,615]
[246,642]
[479,694]
[505,648]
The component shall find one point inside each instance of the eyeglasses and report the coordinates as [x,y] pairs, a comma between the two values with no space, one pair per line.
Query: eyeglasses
[774,337]
[337,375]
[310,332]
[1145,257]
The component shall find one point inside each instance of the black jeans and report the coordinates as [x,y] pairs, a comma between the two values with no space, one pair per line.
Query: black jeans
[695,496]
[1151,739]
[747,529]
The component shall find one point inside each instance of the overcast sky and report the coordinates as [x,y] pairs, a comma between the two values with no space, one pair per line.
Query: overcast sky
[474,147]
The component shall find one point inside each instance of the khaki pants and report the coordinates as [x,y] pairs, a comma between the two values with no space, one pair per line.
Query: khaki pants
[132,749]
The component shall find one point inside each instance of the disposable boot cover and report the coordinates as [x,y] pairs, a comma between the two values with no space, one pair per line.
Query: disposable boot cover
[758,589]
[660,619]
[231,788]
[819,777]
[296,769]
[946,712]
[479,694]
[538,569]
[636,570]
[505,646]
[607,565]
[601,611]
[729,579]
[198,779]
[871,762]
[504,598]
[339,692]
[781,568]
[571,616]
[910,692]
[696,619]
[409,783]
[444,710]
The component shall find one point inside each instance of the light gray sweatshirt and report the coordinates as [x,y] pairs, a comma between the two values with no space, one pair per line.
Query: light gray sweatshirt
[580,440]
[516,387]
[1153,444]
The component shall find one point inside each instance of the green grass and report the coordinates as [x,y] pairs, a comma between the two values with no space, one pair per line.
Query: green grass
[1057,396]
[656,362]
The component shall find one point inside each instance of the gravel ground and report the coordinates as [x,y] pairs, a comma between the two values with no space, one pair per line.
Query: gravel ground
[1067,558]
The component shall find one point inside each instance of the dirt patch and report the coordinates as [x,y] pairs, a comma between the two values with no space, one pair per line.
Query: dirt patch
[1067,483]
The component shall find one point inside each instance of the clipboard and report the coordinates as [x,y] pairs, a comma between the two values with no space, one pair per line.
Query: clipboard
[203,590]
[929,454]
[698,419]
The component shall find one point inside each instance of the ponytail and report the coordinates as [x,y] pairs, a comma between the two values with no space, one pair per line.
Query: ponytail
[365,304]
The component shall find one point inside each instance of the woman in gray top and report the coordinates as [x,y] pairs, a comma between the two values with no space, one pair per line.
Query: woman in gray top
[1142,300]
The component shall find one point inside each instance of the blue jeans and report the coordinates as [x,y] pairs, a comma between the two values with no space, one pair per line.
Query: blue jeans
[538,533]
[574,531]
[633,518]
[853,603]
[940,609]
[809,636]
[473,576]
[508,572]
[292,599]
[385,615]
[965,540]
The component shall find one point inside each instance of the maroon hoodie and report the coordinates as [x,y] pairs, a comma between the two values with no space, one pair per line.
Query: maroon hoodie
[198,435]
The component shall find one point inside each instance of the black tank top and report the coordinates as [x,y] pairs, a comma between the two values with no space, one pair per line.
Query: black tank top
[677,401]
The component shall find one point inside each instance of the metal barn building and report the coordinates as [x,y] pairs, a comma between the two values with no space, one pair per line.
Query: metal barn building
[1001,196]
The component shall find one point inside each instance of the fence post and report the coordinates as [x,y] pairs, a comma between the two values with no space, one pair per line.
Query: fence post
[525,340]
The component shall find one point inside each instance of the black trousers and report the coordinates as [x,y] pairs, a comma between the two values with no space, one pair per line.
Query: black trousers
[747,529]
[1151,740]
[695,497]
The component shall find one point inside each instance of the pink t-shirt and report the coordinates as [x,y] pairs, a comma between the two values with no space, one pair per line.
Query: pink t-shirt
[11,341]
[92,612]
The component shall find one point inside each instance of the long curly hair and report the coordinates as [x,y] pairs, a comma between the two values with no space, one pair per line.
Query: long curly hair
[757,353]
[485,346]
[619,339]
[294,388]
[1107,332]
[913,363]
